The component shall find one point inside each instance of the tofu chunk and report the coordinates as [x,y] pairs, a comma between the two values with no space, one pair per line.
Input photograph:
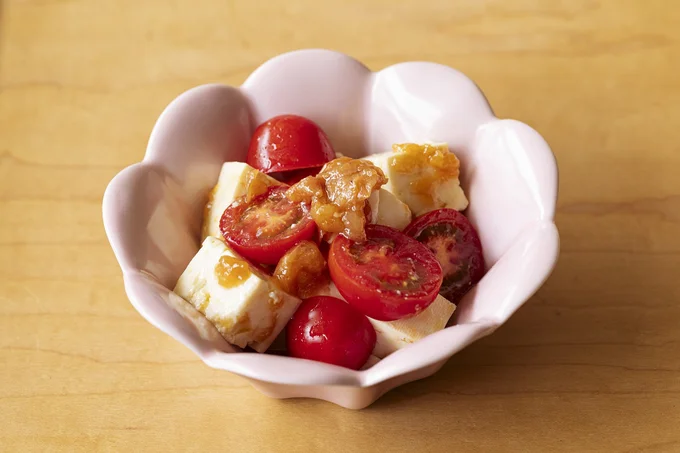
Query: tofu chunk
[244,304]
[425,177]
[388,210]
[394,335]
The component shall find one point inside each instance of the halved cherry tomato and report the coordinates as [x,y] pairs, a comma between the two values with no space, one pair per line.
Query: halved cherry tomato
[387,277]
[288,142]
[328,330]
[455,243]
[267,227]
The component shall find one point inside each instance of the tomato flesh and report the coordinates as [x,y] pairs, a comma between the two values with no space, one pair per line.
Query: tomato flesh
[264,229]
[326,329]
[455,243]
[387,277]
[288,142]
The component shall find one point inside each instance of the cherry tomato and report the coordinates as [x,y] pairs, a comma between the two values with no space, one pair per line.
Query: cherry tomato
[387,277]
[328,330]
[267,227]
[288,142]
[294,176]
[455,243]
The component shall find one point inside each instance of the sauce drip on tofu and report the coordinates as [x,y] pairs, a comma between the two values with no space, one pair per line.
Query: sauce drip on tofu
[229,326]
[263,333]
[274,303]
[435,163]
[338,195]
[231,271]
[257,183]
[302,270]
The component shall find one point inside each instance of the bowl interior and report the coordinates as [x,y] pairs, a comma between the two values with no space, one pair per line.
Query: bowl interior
[153,210]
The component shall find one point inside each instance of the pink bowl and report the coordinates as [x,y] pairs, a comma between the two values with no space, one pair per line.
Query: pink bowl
[152,209]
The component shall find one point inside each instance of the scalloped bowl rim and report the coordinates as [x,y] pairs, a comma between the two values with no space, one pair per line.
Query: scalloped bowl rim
[250,365]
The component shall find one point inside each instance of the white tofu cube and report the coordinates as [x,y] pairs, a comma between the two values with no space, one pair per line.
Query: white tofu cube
[244,304]
[388,210]
[434,194]
[394,335]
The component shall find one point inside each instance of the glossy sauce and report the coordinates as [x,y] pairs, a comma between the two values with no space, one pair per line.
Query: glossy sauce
[436,163]
[231,272]
[257,184]
[302,270]
[339,194]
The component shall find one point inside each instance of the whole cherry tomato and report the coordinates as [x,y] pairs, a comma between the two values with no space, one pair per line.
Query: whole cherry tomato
[327,329]
[288,142]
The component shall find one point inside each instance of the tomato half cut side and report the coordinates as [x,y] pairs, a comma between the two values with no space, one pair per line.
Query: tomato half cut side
[387,277]
[289,142]
[455,243]
[264,229]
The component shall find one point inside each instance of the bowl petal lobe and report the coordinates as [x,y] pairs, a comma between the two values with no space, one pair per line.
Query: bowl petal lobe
[153,210]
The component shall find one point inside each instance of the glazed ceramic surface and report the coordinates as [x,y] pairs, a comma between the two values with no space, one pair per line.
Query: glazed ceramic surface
[153,209]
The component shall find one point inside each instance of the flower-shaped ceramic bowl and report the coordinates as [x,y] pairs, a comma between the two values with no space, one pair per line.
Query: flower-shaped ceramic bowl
[153,209]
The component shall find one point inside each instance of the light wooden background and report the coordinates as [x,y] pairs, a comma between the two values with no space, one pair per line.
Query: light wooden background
[592,363]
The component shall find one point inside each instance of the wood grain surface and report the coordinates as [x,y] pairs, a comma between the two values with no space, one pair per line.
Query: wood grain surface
[592,363]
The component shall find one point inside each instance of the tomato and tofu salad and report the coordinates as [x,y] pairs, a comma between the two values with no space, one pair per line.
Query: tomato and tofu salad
[346,260]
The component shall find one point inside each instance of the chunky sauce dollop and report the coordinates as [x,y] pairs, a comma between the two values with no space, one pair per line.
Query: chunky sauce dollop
[302,270]
[338,195]
[231,272]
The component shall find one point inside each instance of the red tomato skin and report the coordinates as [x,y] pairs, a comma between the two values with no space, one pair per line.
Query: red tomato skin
[326,329]
[288,142]
[362,292]
[455,243]
[267,251]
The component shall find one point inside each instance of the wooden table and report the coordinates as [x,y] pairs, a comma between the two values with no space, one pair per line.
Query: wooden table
[592,363]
